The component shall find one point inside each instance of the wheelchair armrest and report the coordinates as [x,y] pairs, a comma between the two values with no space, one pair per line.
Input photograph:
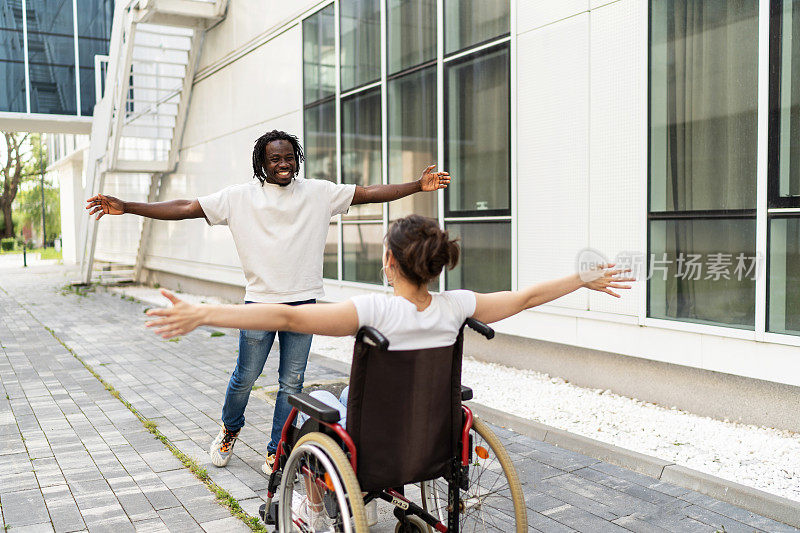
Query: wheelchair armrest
[480,327]
[466,393]
[314,408]
[373,335]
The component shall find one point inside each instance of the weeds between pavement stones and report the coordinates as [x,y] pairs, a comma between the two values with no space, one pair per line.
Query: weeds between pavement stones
[222,496]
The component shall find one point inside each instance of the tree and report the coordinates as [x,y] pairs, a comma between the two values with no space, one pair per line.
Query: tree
[11,175]
[29,207]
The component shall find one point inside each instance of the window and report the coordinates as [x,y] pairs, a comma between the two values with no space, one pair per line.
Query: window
[470,22]
[361,147]
[389,126]
[363,250]
[320,141]
[51,57]
[330,258]
[411,32]
[12,60]
[702,165]
[412,137]
[485,262]
[94,30]
[477,143]
[783,292]
[478,134]
[319,56]
[360,41]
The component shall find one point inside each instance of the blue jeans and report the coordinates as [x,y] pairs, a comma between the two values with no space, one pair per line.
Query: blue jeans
[254,347]
[329,399]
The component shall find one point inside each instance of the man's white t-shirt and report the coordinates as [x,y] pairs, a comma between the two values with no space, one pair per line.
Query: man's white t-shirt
[279,233]
[409,329]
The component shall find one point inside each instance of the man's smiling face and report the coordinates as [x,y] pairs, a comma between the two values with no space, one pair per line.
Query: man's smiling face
[281,165]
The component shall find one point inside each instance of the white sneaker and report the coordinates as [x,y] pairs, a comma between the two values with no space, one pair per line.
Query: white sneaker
[268,464]
[222,447]
[371,509]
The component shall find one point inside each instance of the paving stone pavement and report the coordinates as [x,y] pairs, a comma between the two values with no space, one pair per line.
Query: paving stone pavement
[73,457]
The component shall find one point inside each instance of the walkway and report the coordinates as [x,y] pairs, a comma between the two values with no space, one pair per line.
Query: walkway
[74,457]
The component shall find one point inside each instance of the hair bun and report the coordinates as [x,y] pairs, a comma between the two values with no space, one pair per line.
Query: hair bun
[422,249]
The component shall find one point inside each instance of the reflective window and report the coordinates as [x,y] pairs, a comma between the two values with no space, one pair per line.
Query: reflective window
[12,62]
[94,31]
[703,122]
[784,276]
[362,252]
[330,258]
[702,271]
[360,28]
[411,33]
[485,261]
[320,141]
[361,146]
[319,56]
[469,22]
[51,57]
[412,138]
[703,72]
[785,104]
[477,133]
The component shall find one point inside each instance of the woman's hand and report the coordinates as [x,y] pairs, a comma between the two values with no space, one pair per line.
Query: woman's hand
[606,277]
[179,319]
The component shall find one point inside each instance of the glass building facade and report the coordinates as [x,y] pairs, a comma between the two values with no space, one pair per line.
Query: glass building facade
[371,116]
[47,50]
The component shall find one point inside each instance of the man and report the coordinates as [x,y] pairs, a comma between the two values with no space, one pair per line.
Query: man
[279,225]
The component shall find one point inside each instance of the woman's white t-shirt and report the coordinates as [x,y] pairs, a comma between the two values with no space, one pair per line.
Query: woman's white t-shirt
[409,329]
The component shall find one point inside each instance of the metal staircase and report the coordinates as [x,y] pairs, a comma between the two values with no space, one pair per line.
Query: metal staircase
[138,123]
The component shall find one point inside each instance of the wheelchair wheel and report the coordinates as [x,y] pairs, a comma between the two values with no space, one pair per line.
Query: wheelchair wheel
[413,524]
[319,490]
[493,500]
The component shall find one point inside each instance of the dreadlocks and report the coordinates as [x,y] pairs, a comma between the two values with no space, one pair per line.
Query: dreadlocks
[259,151]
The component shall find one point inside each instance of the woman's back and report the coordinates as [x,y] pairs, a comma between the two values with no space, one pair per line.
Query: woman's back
[406,327]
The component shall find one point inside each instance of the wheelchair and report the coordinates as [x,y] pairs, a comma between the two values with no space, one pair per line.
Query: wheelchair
[405,424]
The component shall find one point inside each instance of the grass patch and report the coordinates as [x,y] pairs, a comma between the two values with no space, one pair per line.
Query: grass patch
[78,289]
[222,496]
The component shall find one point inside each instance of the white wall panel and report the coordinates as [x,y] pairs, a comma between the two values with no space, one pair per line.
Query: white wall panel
[244,21]
[263,85]
[617,151]
[533,14]
[118,236]
[552,141]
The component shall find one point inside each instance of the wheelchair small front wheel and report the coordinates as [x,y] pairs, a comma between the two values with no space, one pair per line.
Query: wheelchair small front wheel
[319,490]
[494,500]
[413,524]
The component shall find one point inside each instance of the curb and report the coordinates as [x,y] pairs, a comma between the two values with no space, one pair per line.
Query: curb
[760,502]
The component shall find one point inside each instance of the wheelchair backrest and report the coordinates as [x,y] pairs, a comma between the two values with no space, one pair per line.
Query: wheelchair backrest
[403,411]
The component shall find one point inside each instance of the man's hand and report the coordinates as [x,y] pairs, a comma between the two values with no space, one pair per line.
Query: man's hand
[604,278]
[179,319]
[105,205]
[431,181]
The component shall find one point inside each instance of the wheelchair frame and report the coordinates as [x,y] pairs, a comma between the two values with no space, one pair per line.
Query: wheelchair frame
[325,419]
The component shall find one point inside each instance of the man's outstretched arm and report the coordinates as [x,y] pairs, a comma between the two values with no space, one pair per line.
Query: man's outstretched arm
[170,210]
[430,181]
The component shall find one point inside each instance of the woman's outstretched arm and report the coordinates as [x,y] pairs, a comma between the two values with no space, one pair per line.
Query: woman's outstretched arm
[499,305]
[339,319]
